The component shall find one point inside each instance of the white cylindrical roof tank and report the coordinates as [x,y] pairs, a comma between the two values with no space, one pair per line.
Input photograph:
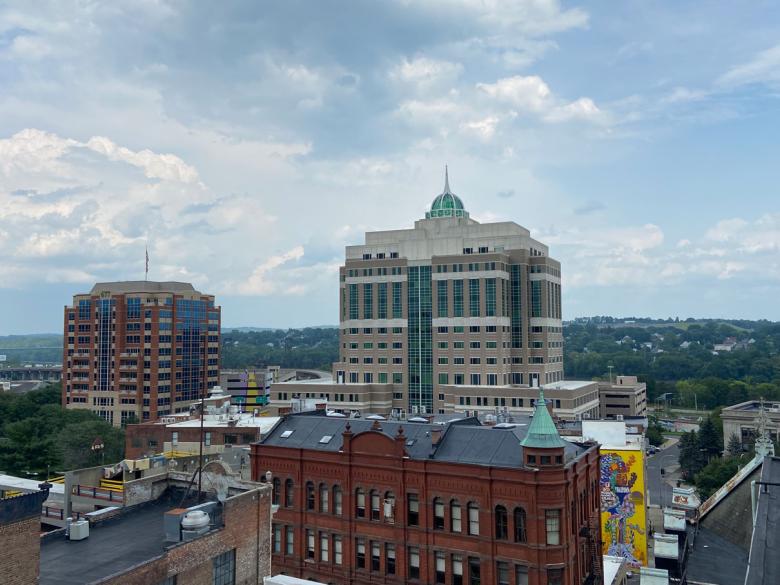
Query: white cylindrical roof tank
[195,520]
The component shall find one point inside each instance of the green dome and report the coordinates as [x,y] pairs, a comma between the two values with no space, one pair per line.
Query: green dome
[446,204]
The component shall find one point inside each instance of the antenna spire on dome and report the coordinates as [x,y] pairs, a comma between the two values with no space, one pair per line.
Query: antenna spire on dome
[446,180]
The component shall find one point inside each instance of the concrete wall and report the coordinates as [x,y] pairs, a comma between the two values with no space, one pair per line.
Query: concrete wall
[145,489]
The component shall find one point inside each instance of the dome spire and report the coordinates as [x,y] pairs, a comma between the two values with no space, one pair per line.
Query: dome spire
[447,204]
[542,433]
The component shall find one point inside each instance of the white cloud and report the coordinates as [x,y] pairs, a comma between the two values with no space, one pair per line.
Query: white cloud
[762,68]
[263,281]
[426,73]
[531,94]
[484,129]
[581,109]
[527,93]
[155,166]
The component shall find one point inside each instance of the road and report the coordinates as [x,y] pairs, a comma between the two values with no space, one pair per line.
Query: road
[660,492]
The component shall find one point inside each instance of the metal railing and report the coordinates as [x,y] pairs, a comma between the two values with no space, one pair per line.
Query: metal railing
[99,493]
[58,513]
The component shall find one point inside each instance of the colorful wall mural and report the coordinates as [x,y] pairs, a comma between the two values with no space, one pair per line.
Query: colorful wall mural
[623,512]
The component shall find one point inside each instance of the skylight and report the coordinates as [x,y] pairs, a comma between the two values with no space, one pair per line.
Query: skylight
[326,439]
[286,434]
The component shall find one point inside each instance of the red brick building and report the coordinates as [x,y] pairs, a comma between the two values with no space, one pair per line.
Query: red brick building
[457,504]
[139,350]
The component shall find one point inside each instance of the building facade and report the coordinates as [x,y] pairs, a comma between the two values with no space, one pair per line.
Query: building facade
[461,504]
[626,396]
[744,420]
[450,303]
[138,350]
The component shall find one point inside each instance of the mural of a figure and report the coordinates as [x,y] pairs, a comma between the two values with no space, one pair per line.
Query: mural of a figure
[622,506]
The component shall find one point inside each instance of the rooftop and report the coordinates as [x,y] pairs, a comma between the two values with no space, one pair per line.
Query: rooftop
[568,385]
[113,546]
[243,420]
[764,568]
[715,560]
[143,286]
[754,406]
[462,440]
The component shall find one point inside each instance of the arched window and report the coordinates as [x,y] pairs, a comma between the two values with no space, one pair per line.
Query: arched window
[473,511]
[375,505]
[520,532]
[277,489]
[309,495]
[337,498]
[324,493]
[288,493]
[389,507]
[455,516]
[438,514]
[502,521]
[360,503]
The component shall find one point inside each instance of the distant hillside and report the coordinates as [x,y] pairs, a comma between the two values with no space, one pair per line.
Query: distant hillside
[36,347]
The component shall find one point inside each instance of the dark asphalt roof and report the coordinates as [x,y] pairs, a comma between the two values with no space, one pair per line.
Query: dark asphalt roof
[113,546]
[463,441]
[764,558]
[715,560]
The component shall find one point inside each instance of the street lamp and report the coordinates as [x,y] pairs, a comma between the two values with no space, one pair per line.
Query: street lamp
[99,447]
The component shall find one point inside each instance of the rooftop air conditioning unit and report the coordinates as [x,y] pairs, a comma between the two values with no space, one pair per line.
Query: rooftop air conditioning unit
[195,523]
[79,530]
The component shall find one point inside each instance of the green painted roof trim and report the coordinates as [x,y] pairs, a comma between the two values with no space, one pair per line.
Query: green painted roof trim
[542,433]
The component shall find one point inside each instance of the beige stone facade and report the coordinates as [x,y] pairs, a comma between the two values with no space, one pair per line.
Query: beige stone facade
[626,396]
[427,312]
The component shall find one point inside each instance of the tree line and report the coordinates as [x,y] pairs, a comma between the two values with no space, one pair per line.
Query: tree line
[38,435]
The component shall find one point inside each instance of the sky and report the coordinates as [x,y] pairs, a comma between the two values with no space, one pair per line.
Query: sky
[245,144]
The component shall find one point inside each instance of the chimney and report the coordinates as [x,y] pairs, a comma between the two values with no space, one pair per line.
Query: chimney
[285,410]
[346,437]
[436,436]
[321,406]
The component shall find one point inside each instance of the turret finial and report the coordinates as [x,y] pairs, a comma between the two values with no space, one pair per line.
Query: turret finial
[446,180]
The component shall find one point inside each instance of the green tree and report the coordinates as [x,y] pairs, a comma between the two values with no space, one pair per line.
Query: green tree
[692,460]
[709,439]
[734,447]
[655,433]
[36,434]
[716,473]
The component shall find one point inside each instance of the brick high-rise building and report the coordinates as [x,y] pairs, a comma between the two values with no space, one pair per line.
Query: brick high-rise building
[392,502]
[139,349]
[448,309]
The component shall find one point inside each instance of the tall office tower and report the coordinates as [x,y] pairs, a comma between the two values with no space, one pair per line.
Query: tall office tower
[451,315]
[139,349]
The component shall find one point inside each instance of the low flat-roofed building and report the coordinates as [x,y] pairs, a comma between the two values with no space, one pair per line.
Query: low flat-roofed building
[625,396]
[177,537]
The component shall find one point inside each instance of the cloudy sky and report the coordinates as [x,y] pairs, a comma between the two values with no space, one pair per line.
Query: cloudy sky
[247,143]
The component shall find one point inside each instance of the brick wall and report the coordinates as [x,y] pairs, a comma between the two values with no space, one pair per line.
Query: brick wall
[247,519]
[21,551]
